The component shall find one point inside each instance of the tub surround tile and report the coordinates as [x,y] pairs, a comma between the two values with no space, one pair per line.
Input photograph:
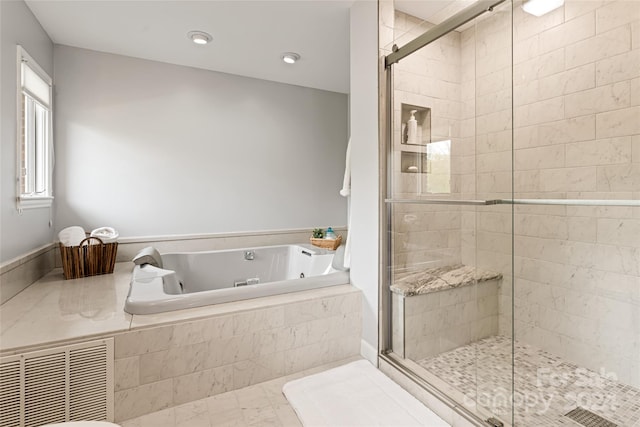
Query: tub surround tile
[208,356]
[18,274]
[127,373]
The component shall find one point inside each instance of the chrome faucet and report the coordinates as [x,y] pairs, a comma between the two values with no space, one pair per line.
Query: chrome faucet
[249,255]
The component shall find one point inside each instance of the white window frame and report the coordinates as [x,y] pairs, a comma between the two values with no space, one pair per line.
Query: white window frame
[42,170]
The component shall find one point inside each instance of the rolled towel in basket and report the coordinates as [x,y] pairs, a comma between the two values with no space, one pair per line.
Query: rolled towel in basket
[71,236]
[106,234]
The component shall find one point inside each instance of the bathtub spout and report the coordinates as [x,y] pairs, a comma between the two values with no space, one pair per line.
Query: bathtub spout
[148,255]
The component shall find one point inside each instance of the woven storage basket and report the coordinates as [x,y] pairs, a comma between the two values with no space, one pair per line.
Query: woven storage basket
[88,259]
[331,244]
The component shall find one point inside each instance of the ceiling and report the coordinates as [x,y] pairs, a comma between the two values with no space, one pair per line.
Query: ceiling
[248,36]
[433,11]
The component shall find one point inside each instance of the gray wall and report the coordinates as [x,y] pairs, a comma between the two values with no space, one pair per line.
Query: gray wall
[19,232]
[156,149]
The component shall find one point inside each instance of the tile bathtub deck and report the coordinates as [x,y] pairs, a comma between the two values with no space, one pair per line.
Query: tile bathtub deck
[257,405]
[57,311]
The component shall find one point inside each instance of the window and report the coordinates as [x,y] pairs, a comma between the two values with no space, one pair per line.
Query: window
[35,142]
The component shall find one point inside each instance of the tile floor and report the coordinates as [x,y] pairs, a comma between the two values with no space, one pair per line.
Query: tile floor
[546,386]
[257,405]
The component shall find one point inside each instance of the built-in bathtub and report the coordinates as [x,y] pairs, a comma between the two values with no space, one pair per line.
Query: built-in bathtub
[196,279]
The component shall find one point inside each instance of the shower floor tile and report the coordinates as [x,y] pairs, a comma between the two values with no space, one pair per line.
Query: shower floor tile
[546,386]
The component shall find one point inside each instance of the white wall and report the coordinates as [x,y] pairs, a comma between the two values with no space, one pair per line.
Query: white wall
[157,149]
[365,166]
[20,232]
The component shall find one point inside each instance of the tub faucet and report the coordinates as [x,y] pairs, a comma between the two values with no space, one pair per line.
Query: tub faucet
[249,255]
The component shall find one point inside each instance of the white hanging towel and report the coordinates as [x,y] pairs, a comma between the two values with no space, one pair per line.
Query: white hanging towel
[346,182]
[346,192]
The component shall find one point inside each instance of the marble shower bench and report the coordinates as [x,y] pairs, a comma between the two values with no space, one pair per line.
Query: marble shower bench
[439,309]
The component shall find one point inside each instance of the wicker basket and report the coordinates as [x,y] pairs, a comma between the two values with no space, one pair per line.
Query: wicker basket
[87,259]
[331,244]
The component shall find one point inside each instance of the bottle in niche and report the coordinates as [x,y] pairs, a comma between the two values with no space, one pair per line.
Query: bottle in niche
[330,234]
[412,128]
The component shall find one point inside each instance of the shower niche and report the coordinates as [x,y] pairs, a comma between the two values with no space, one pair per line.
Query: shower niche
[416,124]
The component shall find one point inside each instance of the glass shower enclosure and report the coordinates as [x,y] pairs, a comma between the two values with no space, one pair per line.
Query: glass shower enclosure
[511,252]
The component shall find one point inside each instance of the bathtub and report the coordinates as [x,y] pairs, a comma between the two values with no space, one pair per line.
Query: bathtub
[196,279]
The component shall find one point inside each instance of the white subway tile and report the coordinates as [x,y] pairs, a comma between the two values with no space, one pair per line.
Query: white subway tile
[582,229]
[567,33]
[569,130]
[142,341]
[199,331]
[545,226]
[571,81]
[526,49]
[617,68]
[526,25]
[526,181]
[551,156]
[539,112]
[602,46]
[257,320]
[575,8]
[619,177]
[176,361]
[618,123]
[598,100]
[617,13]
[616,259]
[623,232]
[568,179]
[493,162]
[540,66]
[599,152]
[126,372]
[527,93]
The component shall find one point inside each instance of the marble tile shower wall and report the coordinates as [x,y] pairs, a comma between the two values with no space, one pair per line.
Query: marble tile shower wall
[487,138]
[170,365]
[426,236]
[576,119]
[438,322]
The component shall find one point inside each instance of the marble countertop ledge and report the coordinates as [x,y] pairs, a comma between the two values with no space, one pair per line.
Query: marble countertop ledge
[440,278]
[58,311]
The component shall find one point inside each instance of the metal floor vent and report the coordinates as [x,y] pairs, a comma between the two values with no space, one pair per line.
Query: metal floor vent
[55,385]
[588,418]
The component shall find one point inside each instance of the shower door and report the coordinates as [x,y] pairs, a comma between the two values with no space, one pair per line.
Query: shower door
[512,244]
[449,246]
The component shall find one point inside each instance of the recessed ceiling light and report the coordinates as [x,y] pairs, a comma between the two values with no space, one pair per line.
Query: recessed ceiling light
[290,57]
[199,37]
[540,7]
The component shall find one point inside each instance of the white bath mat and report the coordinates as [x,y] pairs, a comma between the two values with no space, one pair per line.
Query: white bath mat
[356,394]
